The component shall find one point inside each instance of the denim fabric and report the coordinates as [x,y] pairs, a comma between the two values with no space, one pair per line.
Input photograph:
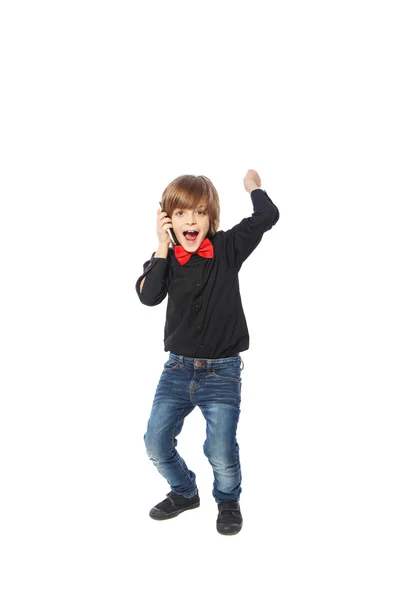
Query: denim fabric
[214,385]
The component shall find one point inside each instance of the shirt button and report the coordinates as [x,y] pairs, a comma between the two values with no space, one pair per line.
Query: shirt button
[197,305]
[197,284]
[201,346]
[199,327]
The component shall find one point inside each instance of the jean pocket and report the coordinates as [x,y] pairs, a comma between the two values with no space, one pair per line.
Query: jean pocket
[228,373]
[171,363]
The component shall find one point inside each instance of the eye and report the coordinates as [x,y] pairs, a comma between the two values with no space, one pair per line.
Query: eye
[181,211]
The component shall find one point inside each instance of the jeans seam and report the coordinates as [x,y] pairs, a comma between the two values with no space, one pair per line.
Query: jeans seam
[225,378]
[172,444]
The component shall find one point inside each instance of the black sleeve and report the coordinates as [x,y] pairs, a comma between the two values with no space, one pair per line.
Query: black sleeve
[244,237]
[155,287]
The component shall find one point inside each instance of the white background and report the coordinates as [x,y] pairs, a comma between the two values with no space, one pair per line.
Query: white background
[102,105]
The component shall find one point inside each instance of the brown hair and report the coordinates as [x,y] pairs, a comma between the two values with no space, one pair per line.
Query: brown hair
[189,192]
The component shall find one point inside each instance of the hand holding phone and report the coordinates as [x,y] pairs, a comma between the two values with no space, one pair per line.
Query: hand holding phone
[164,228]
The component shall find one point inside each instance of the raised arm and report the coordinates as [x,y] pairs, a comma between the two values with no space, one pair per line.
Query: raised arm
[244,237]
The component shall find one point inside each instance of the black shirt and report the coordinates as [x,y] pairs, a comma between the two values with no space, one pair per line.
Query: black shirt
[205,317]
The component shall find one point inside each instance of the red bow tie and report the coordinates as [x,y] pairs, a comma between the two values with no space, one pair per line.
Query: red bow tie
[206,249]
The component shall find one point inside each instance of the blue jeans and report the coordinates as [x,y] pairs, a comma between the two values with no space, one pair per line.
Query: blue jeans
[214,385]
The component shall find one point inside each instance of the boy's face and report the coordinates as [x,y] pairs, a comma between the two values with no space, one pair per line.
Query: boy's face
[184,219]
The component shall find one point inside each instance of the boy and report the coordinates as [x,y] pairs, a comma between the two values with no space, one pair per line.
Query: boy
[205,331]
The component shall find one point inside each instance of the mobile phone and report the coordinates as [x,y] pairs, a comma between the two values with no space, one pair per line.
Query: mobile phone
[170,231]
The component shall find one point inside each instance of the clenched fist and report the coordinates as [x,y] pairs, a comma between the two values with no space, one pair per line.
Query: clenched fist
[251,180]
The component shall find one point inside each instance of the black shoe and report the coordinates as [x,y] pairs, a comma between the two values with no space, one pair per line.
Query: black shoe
[229,519]
[173,505]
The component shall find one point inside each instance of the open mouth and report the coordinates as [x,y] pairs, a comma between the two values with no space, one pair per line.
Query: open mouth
[190,236]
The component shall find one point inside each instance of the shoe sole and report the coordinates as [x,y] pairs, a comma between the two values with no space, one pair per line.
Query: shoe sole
[174,514]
